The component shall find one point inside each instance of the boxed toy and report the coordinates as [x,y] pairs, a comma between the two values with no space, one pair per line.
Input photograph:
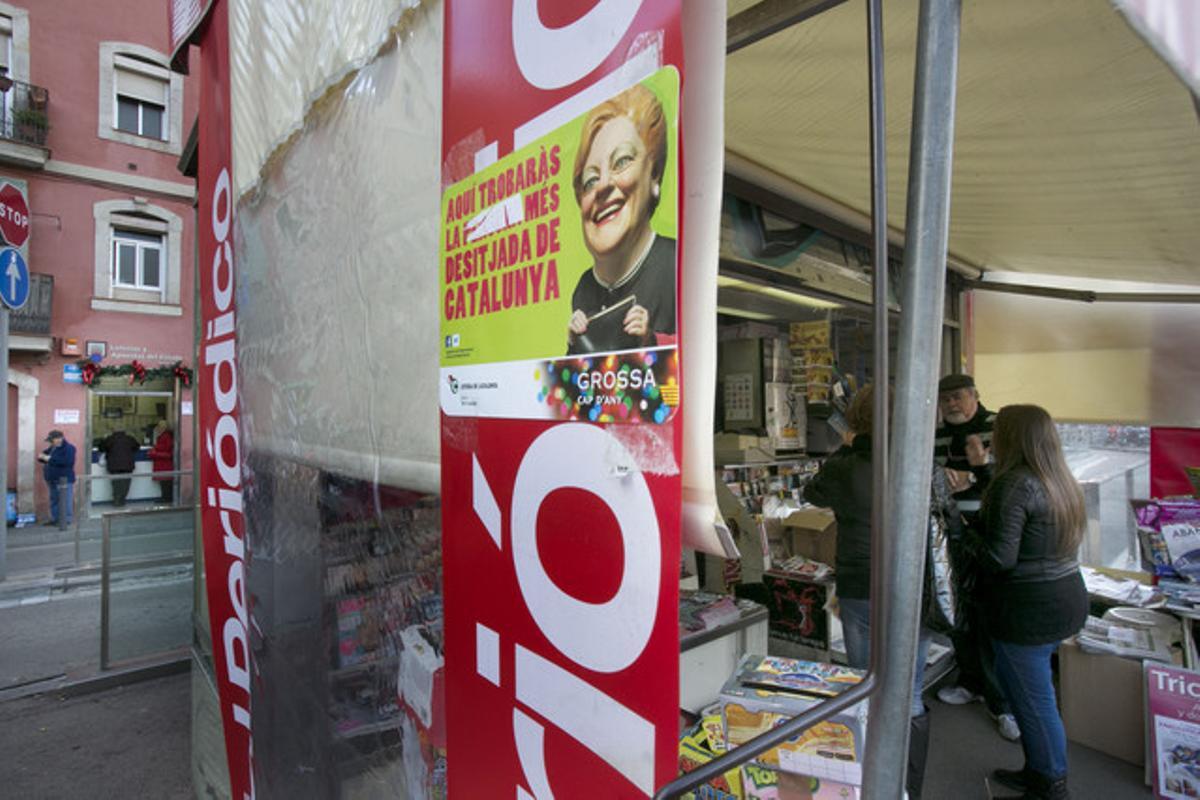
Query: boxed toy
[697,747]
[1170,534]
[830,749]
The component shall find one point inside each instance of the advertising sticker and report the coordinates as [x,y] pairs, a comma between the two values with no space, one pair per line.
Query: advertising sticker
[558,283]
[1173,706]
[560,395]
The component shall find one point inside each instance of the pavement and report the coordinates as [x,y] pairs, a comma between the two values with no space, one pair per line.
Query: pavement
[127,742]
[69,729]
[50,605]
[964,748]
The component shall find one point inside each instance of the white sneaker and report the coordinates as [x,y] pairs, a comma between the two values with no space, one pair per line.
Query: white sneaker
[1006,724]
[956,695]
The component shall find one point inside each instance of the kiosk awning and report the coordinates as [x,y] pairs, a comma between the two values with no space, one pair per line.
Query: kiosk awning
[1077,148]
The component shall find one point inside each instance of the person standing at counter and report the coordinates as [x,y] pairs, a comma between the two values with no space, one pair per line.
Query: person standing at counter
[163,457]
[120,451]
[59,474]
[962,446]
[1033,522]
[845,483]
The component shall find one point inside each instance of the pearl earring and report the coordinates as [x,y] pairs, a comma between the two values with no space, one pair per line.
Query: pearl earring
[654,190]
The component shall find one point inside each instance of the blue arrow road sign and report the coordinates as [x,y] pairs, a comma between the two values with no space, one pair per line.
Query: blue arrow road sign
[14,278]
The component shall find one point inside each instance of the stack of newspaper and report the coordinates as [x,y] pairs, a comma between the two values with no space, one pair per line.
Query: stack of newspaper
[1112,638]
[1124,592]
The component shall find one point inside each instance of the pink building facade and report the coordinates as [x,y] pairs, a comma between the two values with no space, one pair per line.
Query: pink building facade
[93,126]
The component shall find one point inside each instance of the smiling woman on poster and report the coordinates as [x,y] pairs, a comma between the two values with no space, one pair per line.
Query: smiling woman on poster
[627,299]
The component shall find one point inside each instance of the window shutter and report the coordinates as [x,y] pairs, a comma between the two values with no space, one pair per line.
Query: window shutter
[6,27]
[141,81]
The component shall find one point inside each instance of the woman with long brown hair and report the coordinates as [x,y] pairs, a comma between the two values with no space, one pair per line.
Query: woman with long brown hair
[1033,521]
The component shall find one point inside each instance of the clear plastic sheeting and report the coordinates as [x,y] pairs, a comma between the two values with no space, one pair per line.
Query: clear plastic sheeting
[337,254]
[285,54]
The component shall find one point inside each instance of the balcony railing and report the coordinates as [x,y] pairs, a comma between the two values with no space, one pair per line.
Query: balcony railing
[34,317]
[24,112]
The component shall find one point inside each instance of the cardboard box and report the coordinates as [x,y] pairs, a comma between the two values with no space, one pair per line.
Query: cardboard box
[797,607]
[813,534]
[1102,702]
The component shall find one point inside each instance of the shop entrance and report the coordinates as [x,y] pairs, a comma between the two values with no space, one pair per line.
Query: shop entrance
[143,414]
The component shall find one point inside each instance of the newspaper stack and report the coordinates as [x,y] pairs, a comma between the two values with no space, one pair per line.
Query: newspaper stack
[1111,638]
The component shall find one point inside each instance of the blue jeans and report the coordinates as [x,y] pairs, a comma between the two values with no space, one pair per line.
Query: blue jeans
[856,628]
[1024,675]
[68,497]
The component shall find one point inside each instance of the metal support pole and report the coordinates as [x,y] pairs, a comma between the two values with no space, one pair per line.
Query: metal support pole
[4,439]
[64,505]
[105,591]
[922,303]
[879,422]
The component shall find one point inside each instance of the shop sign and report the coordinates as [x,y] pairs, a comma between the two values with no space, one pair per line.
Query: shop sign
[219,420]
[560,395]
[72,373]
[1173,706]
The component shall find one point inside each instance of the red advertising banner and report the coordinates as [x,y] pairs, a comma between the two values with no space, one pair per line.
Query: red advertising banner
[561,395]
[220,474]
[1172,451]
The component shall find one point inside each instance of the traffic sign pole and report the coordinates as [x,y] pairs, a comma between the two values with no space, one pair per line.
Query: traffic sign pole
[4,438]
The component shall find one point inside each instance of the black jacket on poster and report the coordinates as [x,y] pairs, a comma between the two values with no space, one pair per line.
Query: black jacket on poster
[1033,594]
[651,285]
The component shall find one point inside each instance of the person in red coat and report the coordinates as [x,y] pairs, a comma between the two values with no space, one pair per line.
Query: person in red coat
[163,456]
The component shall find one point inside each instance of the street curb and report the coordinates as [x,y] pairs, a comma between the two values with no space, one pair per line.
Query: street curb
[68,686]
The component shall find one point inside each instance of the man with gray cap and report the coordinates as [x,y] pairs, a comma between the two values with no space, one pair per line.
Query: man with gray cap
[962,446]
[59,474]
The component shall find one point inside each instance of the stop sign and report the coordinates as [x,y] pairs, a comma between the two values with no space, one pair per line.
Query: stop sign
[14,215]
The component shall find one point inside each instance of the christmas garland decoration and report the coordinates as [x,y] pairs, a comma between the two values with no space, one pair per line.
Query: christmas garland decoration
[135,371]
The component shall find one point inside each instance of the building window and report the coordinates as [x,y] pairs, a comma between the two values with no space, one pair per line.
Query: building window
[14,42]
[138,256]
[140,98]
[6,32]
[137,260]
[141,95]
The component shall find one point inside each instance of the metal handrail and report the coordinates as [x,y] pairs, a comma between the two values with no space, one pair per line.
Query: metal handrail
[131,475]
[120,476]
[23,113]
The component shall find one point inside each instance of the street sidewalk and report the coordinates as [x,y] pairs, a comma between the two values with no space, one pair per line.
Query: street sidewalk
[126,742]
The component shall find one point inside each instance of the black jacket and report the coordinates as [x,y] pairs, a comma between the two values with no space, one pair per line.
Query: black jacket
[844,484]
[120,451]
[1033,594]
